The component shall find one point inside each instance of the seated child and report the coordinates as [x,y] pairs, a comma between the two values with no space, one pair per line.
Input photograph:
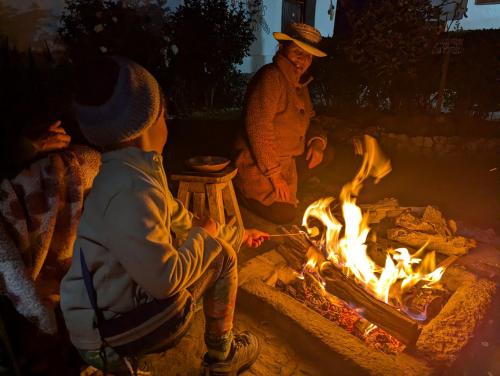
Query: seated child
[130,290]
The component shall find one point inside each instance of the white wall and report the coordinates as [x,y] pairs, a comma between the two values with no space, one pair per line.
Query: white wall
[323,22]
[481,16]
[172,4]
[264,48]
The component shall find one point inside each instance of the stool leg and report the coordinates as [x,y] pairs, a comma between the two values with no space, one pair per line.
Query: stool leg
[183,194]
[231,203]
[215,203]
[199,204]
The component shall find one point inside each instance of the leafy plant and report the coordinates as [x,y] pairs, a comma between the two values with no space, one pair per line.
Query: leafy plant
[474,74]
[90,28]
[192,50]
[389,41]
[337,83]
[209,38]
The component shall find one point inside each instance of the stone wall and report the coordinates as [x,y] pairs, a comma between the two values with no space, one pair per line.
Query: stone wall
[343,131]
[441,145]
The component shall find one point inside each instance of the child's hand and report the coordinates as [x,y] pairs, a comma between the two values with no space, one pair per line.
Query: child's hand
[206,223]
[254,238]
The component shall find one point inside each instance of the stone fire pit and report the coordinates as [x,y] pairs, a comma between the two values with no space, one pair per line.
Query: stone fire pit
[438,345]
[440,340]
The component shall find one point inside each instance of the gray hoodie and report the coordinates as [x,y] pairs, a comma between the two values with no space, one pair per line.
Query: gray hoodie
[125,233]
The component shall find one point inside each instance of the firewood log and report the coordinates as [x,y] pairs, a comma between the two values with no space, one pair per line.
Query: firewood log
[426,302]
[448,245]
[387,317]
[388,207]
[399,325]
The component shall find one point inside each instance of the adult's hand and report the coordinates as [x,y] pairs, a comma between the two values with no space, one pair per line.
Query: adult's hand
[315,153]
[206,223]
[280,187]
[54,138]
[254,238]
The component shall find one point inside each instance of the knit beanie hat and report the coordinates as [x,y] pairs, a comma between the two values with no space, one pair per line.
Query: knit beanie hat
[135,104]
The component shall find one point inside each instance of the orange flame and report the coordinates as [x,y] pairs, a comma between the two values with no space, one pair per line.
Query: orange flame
[349,252]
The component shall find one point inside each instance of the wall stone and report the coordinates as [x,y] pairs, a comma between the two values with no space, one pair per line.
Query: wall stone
[342,131]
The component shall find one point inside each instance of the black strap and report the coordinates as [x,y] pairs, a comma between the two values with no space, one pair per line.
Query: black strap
[89,286]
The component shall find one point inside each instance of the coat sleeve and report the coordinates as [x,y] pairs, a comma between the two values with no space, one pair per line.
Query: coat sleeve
[316,132]
[260,109]
[140,240]
[181,219]
[231,234]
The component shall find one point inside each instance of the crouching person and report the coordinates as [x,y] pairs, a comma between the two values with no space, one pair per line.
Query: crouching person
[130,291]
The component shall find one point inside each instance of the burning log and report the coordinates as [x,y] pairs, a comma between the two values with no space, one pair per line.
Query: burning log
[389,318]
[426,303]
[296,251]
[309,291]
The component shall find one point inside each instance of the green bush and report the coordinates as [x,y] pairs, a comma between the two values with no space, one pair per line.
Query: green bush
[386,63]
[338,82]
[192,50]
[474,75]
[209,38]
[90,28]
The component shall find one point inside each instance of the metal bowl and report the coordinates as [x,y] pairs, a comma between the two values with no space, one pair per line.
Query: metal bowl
[208,163]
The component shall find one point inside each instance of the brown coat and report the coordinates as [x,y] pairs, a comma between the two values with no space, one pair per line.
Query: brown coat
[276,114]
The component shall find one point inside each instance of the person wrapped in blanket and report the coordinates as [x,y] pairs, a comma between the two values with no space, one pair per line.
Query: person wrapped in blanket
[125,260]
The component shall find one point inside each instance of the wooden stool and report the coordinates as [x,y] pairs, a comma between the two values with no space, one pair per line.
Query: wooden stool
[214,191]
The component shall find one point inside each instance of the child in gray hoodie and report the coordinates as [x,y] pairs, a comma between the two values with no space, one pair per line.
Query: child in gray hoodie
[130,290]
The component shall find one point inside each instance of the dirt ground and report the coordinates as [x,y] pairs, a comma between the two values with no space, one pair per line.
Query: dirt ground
[277,356]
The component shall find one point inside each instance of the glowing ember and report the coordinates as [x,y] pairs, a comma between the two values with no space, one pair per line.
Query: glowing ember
[349,252]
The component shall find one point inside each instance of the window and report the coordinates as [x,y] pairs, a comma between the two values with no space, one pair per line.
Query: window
[298,11]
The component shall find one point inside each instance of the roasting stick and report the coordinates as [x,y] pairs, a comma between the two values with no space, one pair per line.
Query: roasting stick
[290,234]
[313,232]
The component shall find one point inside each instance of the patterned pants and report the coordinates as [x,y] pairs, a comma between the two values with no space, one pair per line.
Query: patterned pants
[218,287]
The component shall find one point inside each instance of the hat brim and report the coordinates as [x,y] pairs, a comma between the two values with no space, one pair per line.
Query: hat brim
[306,47]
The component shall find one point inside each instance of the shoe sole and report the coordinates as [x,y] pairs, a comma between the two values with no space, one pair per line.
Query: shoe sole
[206,369]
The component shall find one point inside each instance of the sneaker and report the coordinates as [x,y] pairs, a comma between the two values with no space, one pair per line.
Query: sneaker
[244,352]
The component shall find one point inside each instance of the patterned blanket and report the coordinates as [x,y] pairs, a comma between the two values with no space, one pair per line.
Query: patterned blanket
[39,213]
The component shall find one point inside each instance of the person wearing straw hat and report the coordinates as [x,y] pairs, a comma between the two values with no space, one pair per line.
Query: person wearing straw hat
[277,113]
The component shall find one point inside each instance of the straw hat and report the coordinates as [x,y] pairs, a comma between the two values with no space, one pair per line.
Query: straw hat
[304,36]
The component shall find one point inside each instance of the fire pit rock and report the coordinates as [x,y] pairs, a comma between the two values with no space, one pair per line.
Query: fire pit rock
[438,345]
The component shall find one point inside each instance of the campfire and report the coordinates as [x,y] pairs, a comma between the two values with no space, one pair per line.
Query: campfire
[381,272]
[395,295]
[401,272]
